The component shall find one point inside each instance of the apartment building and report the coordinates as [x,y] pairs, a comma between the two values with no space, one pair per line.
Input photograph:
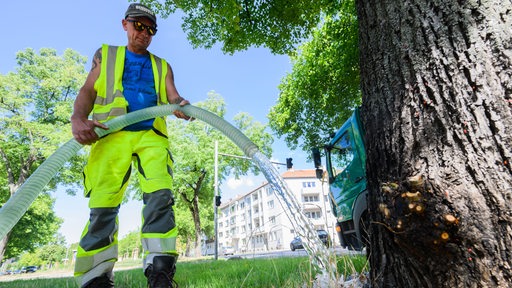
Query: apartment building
[256,221]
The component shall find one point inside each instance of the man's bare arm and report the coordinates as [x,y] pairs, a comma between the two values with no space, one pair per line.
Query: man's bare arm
[82,128]
[173,96]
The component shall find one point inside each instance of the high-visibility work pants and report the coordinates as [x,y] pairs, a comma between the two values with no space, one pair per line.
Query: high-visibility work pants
[105,180]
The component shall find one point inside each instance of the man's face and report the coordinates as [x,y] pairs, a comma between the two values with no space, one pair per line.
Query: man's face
[139,31]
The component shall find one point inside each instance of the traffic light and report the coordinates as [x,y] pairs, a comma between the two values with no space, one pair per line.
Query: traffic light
[319,173]
[217,201]
[289,163]
[316,157]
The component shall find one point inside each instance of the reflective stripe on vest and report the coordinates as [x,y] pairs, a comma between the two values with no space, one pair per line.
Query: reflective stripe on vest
[110,101]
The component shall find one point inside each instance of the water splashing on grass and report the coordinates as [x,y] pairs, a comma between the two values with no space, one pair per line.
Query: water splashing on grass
[320,256]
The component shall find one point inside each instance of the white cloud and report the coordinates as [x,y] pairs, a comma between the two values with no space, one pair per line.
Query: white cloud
[234,183]
[232,187]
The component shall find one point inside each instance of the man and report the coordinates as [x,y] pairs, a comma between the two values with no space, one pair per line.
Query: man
[124,79]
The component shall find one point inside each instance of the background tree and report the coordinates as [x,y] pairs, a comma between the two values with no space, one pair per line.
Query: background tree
[36,228]
[192,145]
[129,244]
[49,254]
[30,258]
[52,253]
[35,104]
[238,25]
[323,87]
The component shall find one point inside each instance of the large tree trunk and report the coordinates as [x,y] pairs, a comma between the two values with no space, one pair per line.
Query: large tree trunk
[437,108]
[197,226]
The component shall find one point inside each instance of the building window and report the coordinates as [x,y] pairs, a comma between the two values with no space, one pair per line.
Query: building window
[270,204]
[272,219]
[310,198]
[313,214]
[309,184]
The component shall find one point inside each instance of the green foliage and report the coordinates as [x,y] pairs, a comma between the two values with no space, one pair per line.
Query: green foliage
[52,253]
[30,258]
[323,87]
[36,228]
[130,243]
[238,25]
[35,105]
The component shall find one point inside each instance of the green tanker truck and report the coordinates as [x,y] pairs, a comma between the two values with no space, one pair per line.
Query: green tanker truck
[345,159]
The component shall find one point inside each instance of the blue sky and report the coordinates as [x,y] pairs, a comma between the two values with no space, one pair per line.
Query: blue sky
[246,80]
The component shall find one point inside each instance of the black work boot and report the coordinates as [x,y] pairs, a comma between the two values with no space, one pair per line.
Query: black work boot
[160,274]
[103,281]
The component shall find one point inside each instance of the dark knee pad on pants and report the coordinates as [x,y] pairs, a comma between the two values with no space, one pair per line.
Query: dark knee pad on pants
[101,230]
[157,212]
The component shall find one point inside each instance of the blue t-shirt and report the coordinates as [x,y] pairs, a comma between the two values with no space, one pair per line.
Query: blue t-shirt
[139,87]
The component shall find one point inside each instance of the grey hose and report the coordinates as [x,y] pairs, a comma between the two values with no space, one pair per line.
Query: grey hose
[17,205]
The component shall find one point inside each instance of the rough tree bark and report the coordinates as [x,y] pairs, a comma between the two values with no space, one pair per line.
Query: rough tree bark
[437,108]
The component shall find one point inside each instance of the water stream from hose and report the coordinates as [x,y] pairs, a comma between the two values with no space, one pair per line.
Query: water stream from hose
[17,205]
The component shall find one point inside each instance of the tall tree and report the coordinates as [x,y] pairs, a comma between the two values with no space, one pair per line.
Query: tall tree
[323,88]
[52,253]
[35,104]
[437,89]
[192,145]
[130,245]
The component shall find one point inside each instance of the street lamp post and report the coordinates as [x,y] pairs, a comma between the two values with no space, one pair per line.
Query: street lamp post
[215,202]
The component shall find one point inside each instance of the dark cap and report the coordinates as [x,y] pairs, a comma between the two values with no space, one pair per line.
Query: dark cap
[140,10]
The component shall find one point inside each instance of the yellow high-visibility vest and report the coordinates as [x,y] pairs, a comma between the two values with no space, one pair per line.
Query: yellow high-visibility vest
[110,101]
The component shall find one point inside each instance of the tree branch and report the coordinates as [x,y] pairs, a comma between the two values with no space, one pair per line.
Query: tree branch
[10,175]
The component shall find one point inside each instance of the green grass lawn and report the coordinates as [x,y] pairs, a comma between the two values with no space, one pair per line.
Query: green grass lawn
[277,272]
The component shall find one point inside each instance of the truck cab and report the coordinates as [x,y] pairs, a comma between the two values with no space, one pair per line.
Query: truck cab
[345,166]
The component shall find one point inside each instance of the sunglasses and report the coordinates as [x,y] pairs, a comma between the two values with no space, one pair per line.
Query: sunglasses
[139,26]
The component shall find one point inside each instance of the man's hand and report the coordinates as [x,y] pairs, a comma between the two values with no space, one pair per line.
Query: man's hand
[180,114]
[83,130]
